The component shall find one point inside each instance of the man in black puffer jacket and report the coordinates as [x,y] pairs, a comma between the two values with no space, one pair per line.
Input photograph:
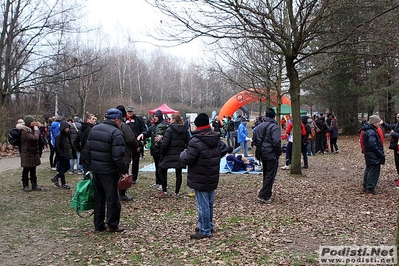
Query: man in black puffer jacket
[202,156]
[373,154]
[106,154]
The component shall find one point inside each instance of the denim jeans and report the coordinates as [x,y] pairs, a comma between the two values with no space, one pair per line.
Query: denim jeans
[288,153]
[72,163]
[204,201]
[304,151]
[229,138]
[243,145]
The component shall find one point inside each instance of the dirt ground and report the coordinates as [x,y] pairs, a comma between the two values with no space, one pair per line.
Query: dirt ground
[324,206]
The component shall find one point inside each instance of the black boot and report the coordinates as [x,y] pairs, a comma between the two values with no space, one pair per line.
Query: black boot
[25,187]
[305,163]
[34,185]
[123,196]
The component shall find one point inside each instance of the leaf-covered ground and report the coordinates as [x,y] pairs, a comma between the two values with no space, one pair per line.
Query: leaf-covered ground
[324,206]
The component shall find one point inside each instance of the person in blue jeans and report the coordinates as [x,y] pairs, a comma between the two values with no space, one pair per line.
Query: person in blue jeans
[202,156]
[242,136]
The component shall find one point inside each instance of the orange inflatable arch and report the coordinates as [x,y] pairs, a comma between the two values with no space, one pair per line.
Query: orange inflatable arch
[247,96]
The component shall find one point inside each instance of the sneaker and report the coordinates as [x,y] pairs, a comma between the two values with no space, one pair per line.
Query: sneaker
[55,181]
[337,151]
[176,196]
[70,172]
[65,186]
[199,236]
[286,167]
[154,185]
[53,168]
[80,173]
[397,187]
[305,166]
[267,201]
[162,195]
[26,189]
[159,187]
[191,194]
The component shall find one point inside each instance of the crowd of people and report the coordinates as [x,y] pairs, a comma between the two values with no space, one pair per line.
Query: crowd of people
[108,148]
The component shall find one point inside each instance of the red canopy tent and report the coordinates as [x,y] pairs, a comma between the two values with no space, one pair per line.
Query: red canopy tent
[165,110]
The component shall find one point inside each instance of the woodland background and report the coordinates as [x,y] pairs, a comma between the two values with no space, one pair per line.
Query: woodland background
[343,53]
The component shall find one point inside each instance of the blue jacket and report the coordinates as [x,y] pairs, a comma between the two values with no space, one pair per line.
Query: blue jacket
[106,149]
[242,132]
[54,130]
[333,132]
[373,148]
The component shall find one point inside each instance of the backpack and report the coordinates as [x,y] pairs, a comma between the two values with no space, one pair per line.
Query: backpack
[83,198]
[14,137]
[311,135]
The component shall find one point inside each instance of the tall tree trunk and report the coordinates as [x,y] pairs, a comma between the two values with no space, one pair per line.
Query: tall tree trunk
[294,90]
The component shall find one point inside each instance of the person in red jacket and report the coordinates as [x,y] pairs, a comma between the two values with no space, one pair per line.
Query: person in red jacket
[290,138]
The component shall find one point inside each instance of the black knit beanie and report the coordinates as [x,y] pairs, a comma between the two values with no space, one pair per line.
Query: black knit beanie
[201,120]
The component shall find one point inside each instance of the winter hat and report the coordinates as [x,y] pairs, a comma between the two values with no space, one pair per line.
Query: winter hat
[201,120]
[372,119]
[271,113]
[28,119]
[129,109]
[113,113]
[122,109]
[158,113]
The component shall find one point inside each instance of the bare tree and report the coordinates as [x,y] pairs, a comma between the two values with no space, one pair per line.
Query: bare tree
[295,29]
[28,34]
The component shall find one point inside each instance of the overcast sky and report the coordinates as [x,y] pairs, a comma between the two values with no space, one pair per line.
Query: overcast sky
[136,17]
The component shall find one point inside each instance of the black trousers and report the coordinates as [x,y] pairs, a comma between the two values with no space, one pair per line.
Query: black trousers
[157,160]
[135,165]
[269,174]
[163,174]
[25,176]
[52,156]
[106,193]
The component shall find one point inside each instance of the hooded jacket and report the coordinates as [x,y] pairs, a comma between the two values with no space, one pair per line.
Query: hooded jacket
[63,144]
[203,159]
[373,148]
[29,146]
[158,128]
[174,142]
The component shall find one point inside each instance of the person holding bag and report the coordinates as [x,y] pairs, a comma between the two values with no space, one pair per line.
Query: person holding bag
[29,152]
